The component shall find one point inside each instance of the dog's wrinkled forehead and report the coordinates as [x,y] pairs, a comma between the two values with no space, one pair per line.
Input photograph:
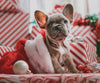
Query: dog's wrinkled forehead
[56,18]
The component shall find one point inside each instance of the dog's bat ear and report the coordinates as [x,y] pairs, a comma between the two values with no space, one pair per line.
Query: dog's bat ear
[68,12]
[41,18]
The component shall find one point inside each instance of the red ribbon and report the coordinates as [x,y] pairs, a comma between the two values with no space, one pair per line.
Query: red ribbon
[84,68]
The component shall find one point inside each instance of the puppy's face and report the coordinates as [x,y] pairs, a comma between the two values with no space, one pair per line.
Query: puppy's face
[57,25]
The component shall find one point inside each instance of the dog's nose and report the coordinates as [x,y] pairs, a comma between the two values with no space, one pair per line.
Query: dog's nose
[59,28]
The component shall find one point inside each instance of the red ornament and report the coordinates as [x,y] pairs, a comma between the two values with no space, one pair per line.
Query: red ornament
[87,21]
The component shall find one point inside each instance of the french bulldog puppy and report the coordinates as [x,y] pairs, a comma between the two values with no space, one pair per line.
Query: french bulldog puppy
[57,29]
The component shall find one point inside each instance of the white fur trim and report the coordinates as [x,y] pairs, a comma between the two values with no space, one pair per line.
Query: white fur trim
[38,55]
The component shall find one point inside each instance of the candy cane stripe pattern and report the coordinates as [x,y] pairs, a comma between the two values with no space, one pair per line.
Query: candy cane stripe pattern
[85,32]
[13,27]
[35,31]
[9,5]
[78,53]
[91,53]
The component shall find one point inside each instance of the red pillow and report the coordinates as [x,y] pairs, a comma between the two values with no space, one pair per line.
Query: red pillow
[9,5]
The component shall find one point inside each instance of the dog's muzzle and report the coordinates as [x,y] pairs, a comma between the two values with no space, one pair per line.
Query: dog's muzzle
[60,32]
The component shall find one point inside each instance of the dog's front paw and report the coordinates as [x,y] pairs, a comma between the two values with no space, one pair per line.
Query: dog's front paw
[79,72]
[76,71]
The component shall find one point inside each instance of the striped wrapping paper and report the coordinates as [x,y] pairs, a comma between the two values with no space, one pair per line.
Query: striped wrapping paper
[86,33]
[78,53]
[9,5]
[83,52]
[89,45]
[13,27]
[35,31]
[91,53]
[5,49]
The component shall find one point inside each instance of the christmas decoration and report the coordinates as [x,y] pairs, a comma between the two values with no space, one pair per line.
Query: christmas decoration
[95,26]
[88,20]
[85,68]
[21,67]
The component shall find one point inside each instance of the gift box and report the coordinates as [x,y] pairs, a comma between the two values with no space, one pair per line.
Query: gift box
[14,22]
[13,27]
[82,53]
[84,32]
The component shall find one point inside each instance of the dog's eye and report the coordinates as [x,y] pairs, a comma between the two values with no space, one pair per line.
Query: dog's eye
[65,21]
[50,24]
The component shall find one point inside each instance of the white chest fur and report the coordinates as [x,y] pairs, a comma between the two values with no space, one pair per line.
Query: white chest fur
[61,50]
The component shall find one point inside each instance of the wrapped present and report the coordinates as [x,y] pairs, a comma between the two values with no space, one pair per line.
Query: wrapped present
[14,25]
[83,53]
[88,28]
[85,32]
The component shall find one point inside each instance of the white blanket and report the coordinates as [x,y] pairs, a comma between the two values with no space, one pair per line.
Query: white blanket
[38,55]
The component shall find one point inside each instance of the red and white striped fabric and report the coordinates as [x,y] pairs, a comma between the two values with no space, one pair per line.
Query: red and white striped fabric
[85,32]
[9,5]
[5,49]
[13,27]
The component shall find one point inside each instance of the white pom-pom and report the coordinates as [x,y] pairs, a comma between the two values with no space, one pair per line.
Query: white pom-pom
[20,67]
